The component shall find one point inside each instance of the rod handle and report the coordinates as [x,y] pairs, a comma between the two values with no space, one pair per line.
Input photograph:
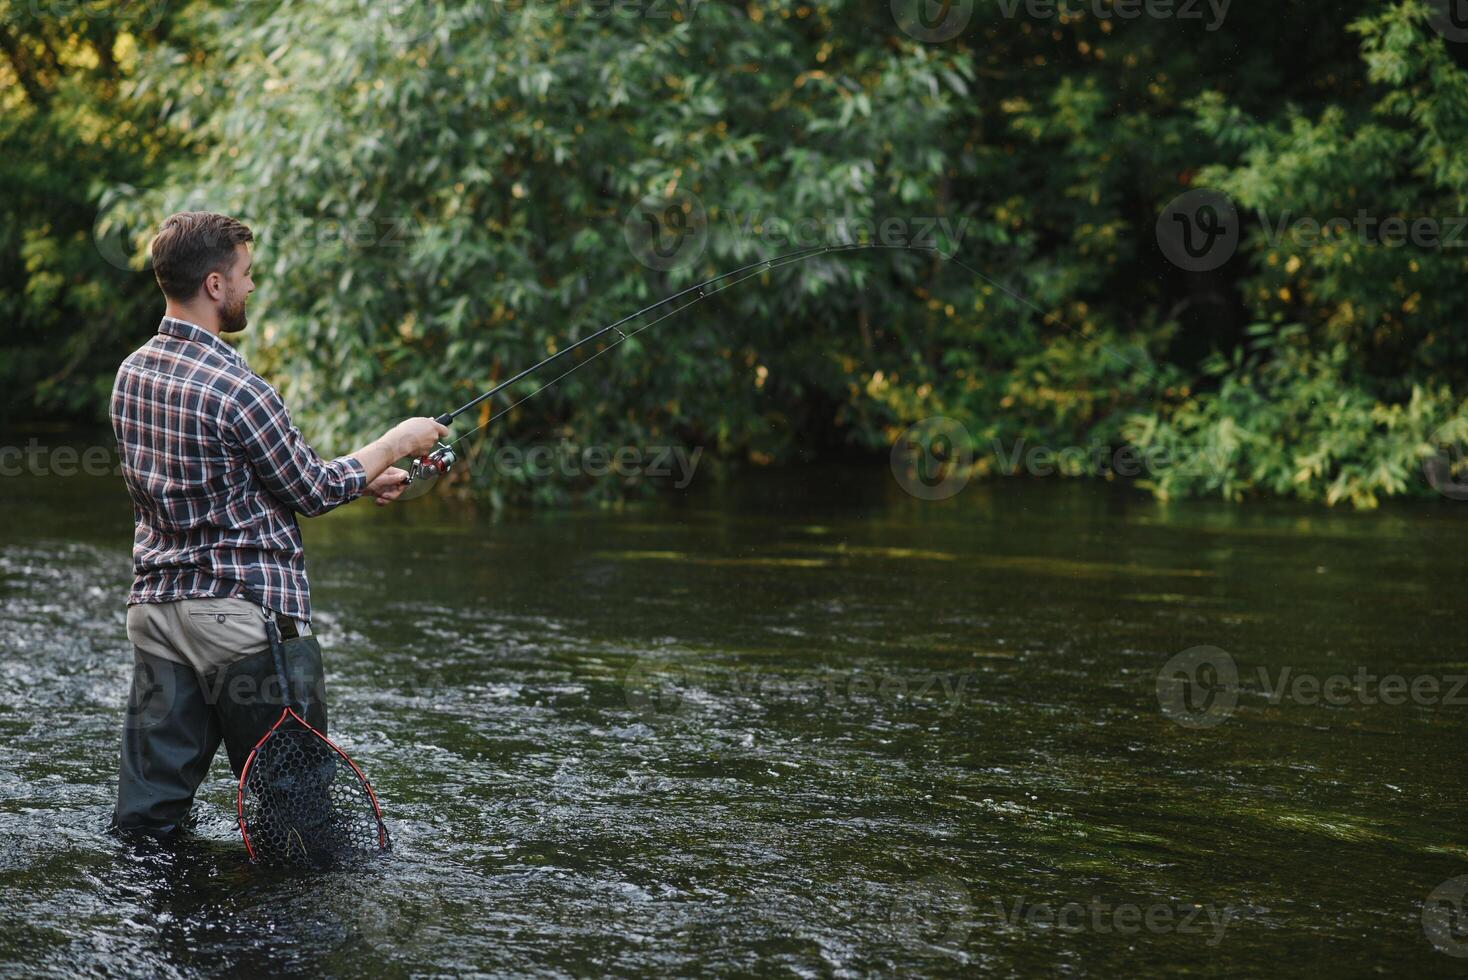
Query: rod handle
[447,418]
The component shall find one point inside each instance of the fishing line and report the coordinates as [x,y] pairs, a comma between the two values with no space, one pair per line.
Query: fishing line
[442,458]
[448,417]
[760,268]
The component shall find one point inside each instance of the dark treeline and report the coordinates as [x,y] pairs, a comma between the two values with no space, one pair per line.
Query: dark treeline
[1224,234]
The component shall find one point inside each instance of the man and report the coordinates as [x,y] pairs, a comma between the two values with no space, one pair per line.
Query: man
[217,474]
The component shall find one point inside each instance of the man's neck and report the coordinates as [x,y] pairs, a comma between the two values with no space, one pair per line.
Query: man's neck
[204,319]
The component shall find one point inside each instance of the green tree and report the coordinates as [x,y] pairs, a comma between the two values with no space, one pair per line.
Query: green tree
[69,304]
[444,193]
[1352,258]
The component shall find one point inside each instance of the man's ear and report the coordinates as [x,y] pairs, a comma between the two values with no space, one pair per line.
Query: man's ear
[214,286]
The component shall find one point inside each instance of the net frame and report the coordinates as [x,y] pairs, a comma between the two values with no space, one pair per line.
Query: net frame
[288,713]
[317,738]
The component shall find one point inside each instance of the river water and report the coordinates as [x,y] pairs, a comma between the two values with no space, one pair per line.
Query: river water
[802,723]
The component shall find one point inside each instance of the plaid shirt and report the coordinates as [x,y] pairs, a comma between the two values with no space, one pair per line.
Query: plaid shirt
[217,473]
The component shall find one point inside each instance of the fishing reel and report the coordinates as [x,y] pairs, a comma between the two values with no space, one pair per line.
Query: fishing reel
[435,464]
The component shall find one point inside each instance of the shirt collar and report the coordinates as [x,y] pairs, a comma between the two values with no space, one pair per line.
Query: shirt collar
[184,330]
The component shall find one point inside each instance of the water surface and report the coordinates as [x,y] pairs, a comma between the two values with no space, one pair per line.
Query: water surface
[803,724]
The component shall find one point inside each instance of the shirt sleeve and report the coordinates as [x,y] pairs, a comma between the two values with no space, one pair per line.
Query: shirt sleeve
[290,469]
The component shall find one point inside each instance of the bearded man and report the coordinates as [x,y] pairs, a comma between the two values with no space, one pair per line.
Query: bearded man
[217,473]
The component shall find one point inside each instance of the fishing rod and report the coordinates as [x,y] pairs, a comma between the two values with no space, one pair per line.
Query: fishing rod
[442,459]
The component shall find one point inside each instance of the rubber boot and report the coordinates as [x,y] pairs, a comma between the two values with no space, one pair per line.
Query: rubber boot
[170,734]
[247,695]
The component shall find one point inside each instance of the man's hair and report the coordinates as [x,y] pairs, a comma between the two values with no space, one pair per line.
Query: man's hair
[190,245]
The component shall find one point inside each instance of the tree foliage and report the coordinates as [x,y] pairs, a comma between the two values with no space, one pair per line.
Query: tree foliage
[72,129]
[444,193]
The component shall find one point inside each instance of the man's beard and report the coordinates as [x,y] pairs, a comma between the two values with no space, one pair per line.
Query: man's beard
[232,314]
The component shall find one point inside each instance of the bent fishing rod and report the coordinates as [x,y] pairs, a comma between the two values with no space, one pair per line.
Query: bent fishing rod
[442,459]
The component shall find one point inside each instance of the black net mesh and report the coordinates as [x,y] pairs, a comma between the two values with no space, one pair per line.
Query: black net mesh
[302,803]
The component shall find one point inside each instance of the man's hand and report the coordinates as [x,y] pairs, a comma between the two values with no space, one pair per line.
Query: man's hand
[388,487]
[414,437]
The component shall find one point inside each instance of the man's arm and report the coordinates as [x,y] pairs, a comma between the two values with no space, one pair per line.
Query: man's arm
[293,472]
[411,437]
